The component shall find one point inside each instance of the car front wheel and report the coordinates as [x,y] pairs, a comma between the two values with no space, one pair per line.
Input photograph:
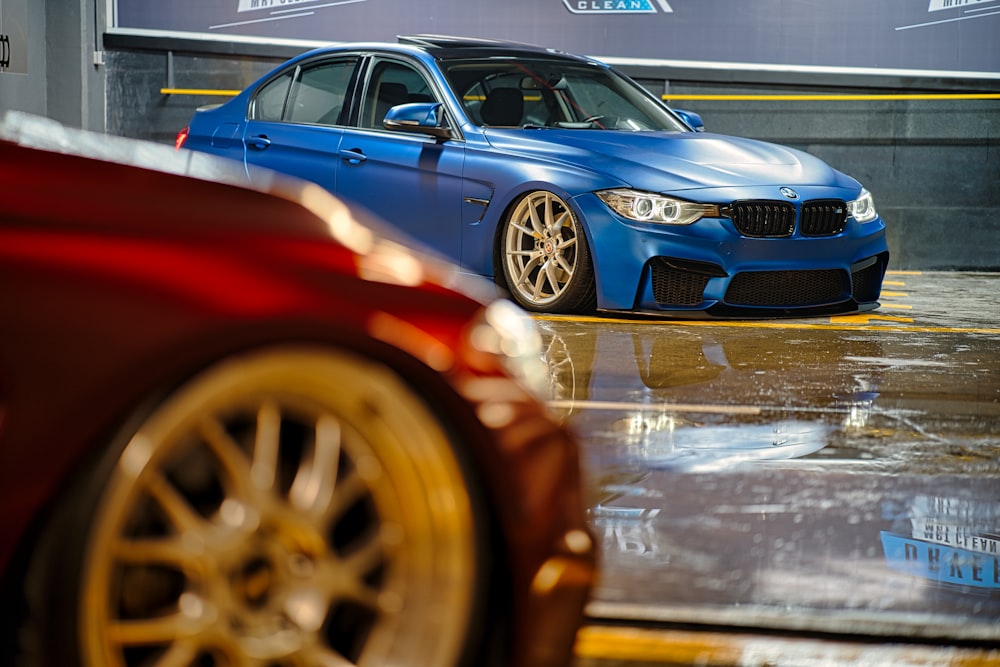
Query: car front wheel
[285,508]
[546,261]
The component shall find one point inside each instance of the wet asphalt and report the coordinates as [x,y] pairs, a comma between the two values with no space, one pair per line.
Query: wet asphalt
[832,480]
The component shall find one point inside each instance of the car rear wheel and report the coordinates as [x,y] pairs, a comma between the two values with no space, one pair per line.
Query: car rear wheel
[287,508]
[546,261]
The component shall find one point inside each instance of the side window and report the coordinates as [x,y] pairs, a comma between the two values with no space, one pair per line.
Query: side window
[269,103]
[314,93]
[392,83]
[318,94]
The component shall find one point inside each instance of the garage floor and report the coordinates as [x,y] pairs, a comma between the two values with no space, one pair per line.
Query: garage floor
[793,492]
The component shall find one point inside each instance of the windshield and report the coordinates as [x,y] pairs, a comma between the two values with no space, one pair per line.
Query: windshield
[555,93]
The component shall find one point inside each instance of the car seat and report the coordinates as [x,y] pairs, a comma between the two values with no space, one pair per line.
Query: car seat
[390,94]
[503,106]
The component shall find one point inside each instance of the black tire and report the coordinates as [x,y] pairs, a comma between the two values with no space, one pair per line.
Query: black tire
[544,256]
[283,508]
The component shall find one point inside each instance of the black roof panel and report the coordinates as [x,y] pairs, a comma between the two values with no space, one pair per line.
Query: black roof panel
[447,46]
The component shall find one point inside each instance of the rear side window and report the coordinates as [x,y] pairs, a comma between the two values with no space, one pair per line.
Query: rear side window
[269,104]
[314,93]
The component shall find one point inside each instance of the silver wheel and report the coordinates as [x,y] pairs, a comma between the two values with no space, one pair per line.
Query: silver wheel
[290,508]
[545,257]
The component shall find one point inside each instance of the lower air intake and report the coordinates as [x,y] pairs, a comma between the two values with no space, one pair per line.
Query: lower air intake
[866,283]
[673,286]
[787,289]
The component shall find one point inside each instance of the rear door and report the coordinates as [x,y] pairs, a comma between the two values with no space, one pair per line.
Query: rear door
[296,120]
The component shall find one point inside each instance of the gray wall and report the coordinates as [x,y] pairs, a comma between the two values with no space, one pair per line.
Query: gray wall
[933,166]
[25,88]
[62,79]
[136,107]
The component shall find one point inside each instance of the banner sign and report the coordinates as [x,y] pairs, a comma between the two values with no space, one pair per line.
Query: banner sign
[950,541]
[616,6]
[944,36]
[942,564]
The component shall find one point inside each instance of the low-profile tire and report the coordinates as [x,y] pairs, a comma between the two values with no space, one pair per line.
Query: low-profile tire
[288,507]
[545,258]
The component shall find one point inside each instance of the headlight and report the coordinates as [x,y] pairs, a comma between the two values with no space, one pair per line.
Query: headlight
[650,207]
[507,331]
[862,209]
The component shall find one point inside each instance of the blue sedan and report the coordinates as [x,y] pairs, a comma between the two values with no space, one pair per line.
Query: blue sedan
[569,184]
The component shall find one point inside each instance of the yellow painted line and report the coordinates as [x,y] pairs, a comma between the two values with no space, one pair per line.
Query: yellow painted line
[199,91]
[659,407]
[770,324]
[683,647]
[656,647]
[888,294]
[894,283]
[834,98]
[865,318]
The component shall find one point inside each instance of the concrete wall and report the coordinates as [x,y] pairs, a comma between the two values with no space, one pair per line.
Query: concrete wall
[136,106]
[933,166]
[62,81]
[26,91]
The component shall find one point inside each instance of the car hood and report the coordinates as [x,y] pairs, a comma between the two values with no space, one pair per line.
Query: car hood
[673,161]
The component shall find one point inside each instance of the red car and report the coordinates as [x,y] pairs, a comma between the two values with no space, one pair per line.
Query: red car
[250,427]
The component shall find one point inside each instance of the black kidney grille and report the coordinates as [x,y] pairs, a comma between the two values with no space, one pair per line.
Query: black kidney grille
[763,218]
[776,219]
[787,289]
[823,217]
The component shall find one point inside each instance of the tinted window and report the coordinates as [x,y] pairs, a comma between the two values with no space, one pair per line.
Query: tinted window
[555,93]
[392,83]
[269,104]
[314,93]
[319,92]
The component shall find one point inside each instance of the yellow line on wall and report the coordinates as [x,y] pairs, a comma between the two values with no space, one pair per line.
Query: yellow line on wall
[835,98]
[199,91]
[731,98]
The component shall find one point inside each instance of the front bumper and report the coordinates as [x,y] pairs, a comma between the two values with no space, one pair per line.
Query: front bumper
[672,286]
[709,269]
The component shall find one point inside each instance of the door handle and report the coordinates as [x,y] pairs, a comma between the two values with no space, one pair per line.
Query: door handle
[260,142]
[353,155]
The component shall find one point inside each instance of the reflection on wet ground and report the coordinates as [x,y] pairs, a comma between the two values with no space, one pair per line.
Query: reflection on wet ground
[832,475]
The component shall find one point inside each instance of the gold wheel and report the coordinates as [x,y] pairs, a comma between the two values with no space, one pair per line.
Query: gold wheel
[546,261]
[287,508]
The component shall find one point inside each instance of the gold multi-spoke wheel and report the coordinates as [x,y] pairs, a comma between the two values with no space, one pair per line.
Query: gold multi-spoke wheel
[287,508]
[546,260]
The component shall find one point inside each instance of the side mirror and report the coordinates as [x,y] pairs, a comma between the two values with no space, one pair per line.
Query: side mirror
[420,117]
[693,120]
